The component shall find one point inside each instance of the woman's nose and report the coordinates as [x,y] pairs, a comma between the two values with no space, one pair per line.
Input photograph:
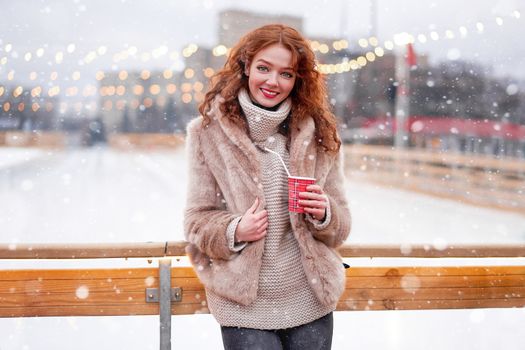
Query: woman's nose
[272,79]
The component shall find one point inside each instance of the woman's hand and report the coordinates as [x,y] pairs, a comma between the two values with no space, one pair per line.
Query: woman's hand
[252,226]
[314,201]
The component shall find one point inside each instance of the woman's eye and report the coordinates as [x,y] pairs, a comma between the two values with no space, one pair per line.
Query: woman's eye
[262,68]
[287,75]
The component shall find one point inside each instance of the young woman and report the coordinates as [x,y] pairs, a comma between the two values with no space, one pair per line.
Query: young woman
[272,277]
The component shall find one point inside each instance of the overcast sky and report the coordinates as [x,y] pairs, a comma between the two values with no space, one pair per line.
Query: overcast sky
[30,24]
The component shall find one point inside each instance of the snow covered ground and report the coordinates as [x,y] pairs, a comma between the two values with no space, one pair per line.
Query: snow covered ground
[102,195]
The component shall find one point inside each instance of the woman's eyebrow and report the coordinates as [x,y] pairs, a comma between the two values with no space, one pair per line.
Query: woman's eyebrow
[271,64]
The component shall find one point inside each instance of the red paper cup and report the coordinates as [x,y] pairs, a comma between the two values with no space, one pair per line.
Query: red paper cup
[297,184]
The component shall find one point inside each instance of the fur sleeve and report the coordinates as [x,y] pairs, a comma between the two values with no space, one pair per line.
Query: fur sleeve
[337,231]
[205,218]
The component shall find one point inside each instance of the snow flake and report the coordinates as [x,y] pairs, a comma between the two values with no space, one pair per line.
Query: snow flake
[149,281]
[82,292]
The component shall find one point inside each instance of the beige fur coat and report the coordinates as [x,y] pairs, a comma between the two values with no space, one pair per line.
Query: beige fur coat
[224,179]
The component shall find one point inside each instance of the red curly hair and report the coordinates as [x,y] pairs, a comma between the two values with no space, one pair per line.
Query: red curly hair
[309,95]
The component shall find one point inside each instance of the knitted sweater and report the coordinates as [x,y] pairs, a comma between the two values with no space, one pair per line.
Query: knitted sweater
[284,297]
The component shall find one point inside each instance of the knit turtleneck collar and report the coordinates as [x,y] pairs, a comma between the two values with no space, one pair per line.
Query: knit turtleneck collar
[262,122]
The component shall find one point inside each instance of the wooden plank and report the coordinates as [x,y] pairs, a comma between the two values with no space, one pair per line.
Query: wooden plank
[177,249]
[27,293]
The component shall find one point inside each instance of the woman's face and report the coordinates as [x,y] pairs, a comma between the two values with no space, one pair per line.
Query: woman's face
[270,75]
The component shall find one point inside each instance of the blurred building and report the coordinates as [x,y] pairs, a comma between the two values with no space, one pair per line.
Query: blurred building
[25,108]
[140,101]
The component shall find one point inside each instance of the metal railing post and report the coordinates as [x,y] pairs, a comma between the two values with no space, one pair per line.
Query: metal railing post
[165,303]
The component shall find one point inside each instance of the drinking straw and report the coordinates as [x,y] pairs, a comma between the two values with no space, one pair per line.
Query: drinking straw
[280,158]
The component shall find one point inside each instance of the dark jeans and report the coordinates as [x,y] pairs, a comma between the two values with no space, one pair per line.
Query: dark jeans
[316,335]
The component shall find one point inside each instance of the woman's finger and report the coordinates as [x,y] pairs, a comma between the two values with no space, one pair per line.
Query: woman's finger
[314,188]
[312,204]
[254,206]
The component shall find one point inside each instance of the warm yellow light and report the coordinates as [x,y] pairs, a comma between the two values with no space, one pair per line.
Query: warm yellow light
[145,56]
[59,57]
[373,41]
[463,31]
[344,44]
[108,105]
[323,48]
[336,45]
[434,35]
[121,90]
[27,56]
[449,34]
[90,57]
[33,76]
[208,72]
[55,90]
[353,64]
[11,75]
[189,73]
[89,90]
[480,27]
[138,89]
[389,45]
[379,51]
[7,107]
[21,106]
[18,91]
[8,47]
[220,50]
[145,74]
[363,42]
[135,103]
[132,50]
[40,52]
[36,91]
[103,91]
[121,104]
[72,91]
[3,60]
[2,90]
[167,74]
[148,102]
[198,86]
[123,75]
[422,38]
[111,90]
[154,89]
[198,96]
[53,76]
[76,75]
[35,107]
[99,75]
[315,45]
[361,61]
[186,87]
[71,48]
[186,98]
[370,56]
[171,88]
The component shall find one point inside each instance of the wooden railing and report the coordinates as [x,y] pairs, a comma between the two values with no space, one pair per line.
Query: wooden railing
[123,291]
[474,179]
[33,139]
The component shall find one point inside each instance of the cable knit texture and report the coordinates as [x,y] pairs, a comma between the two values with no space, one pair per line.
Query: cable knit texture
[284,298]
[248,287]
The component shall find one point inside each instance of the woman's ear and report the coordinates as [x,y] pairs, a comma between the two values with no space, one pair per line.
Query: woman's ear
[247,69]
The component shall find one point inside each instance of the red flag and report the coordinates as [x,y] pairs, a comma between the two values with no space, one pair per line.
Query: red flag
[411,55]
